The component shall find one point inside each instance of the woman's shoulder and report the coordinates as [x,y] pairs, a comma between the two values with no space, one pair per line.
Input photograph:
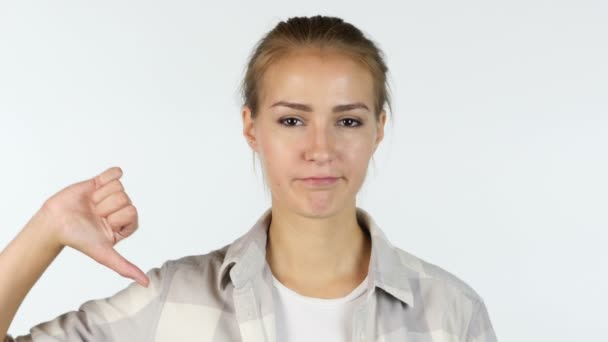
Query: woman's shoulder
[436,278]
[192,279]
[203,262]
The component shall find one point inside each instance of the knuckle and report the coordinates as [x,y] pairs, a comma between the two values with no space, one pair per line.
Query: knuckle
[133,225]
[117,185]
[127,199]
[122,198]
[131,210]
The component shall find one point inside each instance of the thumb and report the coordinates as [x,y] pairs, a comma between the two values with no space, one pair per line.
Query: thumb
[122,266]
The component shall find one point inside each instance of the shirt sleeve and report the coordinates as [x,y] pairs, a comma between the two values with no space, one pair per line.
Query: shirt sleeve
[131,314]
[480,327]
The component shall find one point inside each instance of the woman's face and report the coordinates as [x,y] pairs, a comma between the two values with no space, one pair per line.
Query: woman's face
[315,119]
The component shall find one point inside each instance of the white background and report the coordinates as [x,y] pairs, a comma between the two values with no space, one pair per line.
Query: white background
[494,168]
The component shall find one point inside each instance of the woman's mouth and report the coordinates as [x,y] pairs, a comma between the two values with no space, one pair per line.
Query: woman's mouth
[320,181]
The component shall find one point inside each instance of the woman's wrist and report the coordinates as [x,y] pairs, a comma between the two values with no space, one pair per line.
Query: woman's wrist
[47,226]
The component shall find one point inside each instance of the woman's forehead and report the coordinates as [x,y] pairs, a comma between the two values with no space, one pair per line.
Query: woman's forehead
[313,75]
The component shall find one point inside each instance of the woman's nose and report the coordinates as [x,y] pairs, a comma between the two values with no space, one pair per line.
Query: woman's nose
[320,144]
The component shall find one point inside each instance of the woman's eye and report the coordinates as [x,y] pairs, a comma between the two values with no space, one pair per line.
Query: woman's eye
[349,122]
[285,120]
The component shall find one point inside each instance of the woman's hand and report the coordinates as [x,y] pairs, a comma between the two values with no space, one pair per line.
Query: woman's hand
[94,215]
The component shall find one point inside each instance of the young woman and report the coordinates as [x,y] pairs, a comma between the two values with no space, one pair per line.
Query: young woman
[314,267]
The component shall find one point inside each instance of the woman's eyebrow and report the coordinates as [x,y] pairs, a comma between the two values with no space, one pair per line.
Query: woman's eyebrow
[307,108]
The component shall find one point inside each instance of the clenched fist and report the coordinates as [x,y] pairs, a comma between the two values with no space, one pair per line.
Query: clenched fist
[94,215]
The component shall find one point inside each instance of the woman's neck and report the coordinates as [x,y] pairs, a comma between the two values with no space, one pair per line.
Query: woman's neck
[318,257]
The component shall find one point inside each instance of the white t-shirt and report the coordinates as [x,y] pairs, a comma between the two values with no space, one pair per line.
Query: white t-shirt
[304,319]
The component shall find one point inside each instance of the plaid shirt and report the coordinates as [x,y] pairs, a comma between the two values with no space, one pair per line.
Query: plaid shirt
[227,295]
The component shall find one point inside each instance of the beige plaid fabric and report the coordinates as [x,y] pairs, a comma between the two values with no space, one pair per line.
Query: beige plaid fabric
[227,295]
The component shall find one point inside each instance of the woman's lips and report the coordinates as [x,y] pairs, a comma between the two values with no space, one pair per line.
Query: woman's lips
[320,181]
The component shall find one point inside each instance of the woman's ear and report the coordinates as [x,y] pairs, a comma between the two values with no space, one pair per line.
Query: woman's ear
[248,126]
[380,129]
